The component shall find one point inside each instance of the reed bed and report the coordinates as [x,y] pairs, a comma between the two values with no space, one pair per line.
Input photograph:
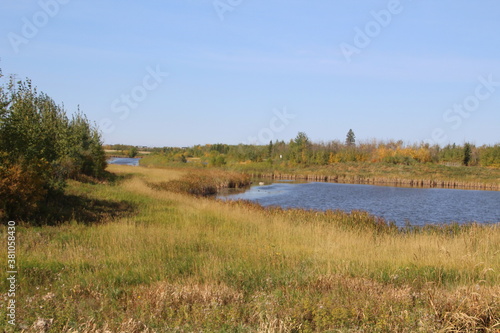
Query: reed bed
[394,181]
[185,263]
[419,175]
[204,182]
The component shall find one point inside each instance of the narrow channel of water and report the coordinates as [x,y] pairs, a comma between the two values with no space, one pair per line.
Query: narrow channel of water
[124,161]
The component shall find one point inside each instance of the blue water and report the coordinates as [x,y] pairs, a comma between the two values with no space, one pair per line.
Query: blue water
[124,161]
[418,206]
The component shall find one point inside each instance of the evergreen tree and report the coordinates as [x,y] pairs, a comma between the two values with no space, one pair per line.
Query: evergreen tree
[467,154]
[350,139]
[270,149]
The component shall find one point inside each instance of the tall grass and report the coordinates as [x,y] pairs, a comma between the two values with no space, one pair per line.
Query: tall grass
[185,263]
[204,182]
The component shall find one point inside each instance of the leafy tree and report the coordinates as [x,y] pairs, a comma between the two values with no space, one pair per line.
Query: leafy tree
[133,152]
[4,100]
[451,153]
[350,138]
[219,147]
[300,148]
[85,147]
[40,148]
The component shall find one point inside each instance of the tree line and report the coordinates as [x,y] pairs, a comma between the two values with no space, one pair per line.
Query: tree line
[301,151]
[40,148]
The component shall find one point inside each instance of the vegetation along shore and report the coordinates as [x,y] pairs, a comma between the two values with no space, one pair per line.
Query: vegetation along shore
[387,163]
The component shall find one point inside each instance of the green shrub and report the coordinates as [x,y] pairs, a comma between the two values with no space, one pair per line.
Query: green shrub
[40,148]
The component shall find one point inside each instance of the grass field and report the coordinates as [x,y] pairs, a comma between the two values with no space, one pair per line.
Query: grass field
[171,262]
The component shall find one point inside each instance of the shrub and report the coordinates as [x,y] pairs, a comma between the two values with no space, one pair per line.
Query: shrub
[490,156]
[21,190]
[40,148]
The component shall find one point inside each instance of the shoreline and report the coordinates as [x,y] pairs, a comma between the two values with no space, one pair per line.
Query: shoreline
[398,182]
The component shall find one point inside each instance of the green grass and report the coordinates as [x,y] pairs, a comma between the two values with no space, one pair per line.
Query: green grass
[178,263]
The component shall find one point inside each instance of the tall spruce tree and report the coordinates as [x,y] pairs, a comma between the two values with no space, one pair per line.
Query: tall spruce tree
[467,154]
[350,138]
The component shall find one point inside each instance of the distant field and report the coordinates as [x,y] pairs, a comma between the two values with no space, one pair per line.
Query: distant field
[158,261]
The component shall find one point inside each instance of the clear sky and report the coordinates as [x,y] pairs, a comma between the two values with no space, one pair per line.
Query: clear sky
[185,72]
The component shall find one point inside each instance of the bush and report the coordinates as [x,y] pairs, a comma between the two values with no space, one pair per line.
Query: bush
[21,191]
[132,152]
[40,148]
[490,156]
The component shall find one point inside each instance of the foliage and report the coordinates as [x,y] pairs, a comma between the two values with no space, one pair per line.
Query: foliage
[490,156]
[302,152]
[21,189]
[300,149]
[40,148]
[216,159]
[132,152]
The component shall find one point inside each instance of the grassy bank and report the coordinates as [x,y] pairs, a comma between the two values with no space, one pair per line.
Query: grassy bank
[177,263]
[432,175]
[417,175]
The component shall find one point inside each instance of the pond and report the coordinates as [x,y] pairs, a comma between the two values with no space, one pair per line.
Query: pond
[418,206]
[124,161]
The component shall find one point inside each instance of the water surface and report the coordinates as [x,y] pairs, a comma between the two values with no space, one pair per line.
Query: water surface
[124,161]
[417,206]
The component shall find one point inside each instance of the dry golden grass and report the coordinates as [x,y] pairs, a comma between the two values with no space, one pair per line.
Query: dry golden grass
[184,264]
[203,182]
[150,174]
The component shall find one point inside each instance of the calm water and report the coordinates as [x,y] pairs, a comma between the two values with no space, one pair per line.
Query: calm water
[419,206]
[124,161]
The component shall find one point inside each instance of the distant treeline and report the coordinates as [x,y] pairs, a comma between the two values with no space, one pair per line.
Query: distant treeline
[121,147]
[40,148]
[301,151]
[120,150]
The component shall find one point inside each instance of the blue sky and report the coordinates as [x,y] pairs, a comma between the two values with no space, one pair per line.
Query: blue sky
[246,71]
